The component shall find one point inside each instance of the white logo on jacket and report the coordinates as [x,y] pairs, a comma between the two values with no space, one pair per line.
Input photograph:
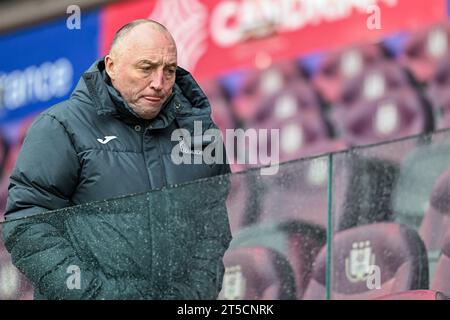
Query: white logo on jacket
[106,139]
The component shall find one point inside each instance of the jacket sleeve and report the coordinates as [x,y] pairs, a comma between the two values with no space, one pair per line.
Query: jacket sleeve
[44,178]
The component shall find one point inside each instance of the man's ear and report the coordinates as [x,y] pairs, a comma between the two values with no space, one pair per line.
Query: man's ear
[110,66]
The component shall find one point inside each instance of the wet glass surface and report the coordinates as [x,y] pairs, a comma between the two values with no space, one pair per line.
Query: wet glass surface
[356,224]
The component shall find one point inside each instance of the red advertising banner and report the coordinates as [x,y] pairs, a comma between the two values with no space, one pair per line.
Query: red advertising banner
[215,36]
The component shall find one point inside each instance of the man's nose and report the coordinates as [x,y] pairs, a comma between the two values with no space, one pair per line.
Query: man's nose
[157,80]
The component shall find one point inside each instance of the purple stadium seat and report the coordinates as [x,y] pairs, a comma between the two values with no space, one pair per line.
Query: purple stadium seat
[396,250]
[397,114]
[295,98]
[296,112]
[256,273]
[439,94]
[297,133]
[260,84]
[441,278]
[238,201]
[415,295]
[303,247]
[372,83]
[298,195]
[424,49]
[436,221]
[340,66]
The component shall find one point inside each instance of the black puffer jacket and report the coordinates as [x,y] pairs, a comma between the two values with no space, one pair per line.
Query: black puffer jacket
[128,248]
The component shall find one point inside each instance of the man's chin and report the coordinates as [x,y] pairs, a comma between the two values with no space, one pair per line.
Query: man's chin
[146,110]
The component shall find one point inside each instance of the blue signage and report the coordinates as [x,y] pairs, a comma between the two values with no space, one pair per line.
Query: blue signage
[40,66]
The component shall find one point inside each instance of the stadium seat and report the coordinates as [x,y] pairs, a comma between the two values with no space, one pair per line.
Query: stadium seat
[415,295]
[340,66]
[241,201]
[372,83]
[362,189]
[439,94]
[297,192]
[294,98]
[436,221]
[395,249]
[419,170]
[256,273]
[296,241]
[257,85]
[304,242]
[424,49]
[296,113]
[441,278]
[395,115]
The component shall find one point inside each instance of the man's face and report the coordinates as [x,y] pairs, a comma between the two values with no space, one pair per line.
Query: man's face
[143,69]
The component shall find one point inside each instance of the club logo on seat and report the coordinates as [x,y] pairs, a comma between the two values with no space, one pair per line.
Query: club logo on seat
[358,266]
[106,139]
[233,283]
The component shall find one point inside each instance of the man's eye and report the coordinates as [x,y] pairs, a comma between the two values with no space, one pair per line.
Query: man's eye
[171,71]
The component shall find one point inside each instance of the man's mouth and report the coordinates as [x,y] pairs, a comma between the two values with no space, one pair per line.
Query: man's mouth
[152,98]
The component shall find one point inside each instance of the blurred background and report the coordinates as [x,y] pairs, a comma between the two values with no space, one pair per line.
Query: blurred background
[330,75]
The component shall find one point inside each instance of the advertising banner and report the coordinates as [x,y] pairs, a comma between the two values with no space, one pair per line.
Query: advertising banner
[216,36]
[40,66]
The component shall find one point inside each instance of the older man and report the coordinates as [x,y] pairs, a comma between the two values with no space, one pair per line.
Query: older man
[113,138]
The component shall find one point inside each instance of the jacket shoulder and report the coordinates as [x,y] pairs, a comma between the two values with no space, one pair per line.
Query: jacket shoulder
[68,109]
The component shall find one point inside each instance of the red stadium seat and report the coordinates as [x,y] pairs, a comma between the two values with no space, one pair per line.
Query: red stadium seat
[396,250]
